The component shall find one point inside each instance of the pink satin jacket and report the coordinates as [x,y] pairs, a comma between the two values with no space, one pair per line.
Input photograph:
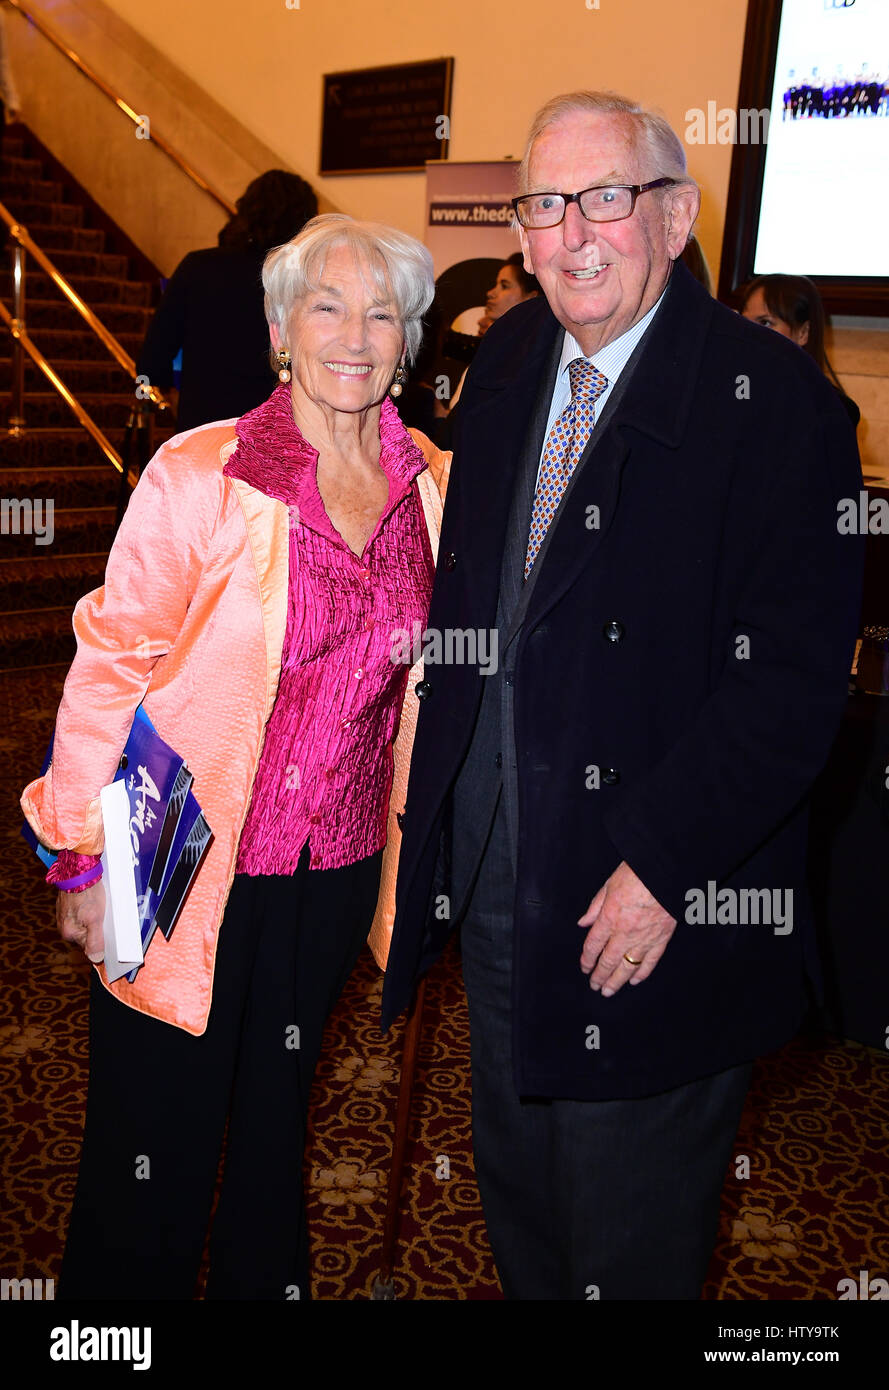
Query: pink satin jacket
[198,571]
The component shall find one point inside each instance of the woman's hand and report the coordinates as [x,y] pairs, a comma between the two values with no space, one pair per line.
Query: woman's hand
[80,918]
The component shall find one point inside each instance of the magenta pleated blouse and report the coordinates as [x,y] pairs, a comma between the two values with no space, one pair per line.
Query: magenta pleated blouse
[325,771]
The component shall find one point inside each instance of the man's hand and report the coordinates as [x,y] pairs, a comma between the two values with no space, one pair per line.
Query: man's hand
[624,920]
[80,918]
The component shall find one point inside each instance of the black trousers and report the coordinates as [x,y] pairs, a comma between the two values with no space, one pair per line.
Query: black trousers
[585,1199]
[159,1098]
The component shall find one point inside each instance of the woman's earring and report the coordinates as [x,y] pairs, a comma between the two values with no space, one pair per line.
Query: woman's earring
[282,359]
[398,384]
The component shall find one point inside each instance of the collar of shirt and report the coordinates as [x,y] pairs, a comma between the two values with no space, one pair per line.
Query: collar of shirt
[611,359]
[275,457]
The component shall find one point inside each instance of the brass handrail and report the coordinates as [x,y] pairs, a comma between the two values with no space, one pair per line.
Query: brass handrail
[118,352]
[122,105]
[55,380]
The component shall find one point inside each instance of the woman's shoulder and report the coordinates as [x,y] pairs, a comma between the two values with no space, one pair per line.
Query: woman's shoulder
[204,448]
[185,477]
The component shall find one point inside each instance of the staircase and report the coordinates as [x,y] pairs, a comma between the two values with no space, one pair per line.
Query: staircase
[56,459]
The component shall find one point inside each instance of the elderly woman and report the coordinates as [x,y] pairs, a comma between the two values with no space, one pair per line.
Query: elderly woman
[249,603]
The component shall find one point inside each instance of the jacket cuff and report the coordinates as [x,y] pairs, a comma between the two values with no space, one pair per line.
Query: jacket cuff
[70,866]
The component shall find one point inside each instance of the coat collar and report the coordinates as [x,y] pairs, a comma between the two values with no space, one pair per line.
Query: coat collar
[510,376]
[658,400]
[273,456]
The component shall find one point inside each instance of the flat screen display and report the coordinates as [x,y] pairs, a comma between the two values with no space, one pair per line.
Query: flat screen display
[825,191]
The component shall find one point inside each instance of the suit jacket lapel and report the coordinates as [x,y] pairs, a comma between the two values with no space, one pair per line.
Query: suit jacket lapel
[495,427]
[654,401]
[513,597]
[608,460]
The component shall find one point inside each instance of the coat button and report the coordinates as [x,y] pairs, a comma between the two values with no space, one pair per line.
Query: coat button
[498,760]
[613,631]
[423,690]
[610,776]
[509,677]
[450,561]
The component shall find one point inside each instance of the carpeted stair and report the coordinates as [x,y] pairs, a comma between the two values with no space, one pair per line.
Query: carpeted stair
[56,458]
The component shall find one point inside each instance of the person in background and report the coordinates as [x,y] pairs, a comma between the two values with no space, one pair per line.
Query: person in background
[212,310]
[514,284]
[791,305]
[250,601]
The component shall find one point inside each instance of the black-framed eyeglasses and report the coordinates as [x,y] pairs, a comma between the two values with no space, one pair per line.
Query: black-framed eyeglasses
[605,203]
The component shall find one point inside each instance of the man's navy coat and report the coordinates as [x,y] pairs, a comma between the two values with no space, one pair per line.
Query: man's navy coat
[692,637]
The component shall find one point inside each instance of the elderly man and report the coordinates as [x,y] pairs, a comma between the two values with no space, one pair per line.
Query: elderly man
[643,504]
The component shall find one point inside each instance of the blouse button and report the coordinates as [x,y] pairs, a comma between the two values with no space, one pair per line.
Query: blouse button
[345,723]
[314,820]
[329,774]
[359,673]
[365,574]
[368,624]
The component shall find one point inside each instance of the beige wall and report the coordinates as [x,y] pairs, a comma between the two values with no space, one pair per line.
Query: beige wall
[859,351]
[159,207]
[263,62]
[236,86]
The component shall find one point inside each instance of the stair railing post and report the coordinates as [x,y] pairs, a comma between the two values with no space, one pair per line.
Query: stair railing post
[17,400]
[145,437]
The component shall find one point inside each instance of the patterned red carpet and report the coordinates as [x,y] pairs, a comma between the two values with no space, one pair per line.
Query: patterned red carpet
[813,1210]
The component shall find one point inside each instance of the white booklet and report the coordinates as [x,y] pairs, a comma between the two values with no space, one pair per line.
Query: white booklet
[123,938]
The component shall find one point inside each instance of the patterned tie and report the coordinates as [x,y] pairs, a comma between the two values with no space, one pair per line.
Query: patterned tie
[567,441]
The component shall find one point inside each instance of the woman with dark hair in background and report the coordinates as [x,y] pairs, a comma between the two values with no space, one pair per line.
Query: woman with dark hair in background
[212,309]
[791,305]
[513,285]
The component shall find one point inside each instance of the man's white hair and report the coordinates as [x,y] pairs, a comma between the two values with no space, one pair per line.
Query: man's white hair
[660,151]
[399,266]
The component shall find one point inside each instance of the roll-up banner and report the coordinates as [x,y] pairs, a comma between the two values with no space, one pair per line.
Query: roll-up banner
[469,233]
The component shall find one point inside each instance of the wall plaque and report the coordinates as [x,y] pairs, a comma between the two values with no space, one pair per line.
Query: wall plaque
[376,120]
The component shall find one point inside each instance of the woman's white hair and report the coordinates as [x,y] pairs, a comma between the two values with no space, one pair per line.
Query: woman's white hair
[659,148]
[399,266]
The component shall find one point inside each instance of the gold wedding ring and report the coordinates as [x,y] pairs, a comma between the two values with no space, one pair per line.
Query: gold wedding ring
[630,960]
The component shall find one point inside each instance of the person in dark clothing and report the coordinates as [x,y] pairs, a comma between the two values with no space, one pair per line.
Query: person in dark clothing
[791,305]
[212,309]
[641,526]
